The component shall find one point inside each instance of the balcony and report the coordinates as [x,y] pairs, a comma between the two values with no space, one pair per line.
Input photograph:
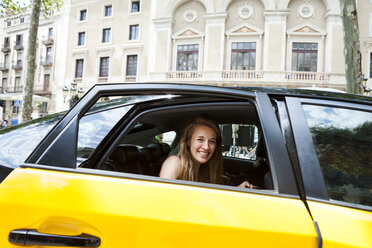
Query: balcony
[183,75]
[6,48]
[130,78]
[4,67]
[48,41]
[240,74]
[18,65]
[47,62]
[307,76]
[14,89]
[18,46]
[42,89]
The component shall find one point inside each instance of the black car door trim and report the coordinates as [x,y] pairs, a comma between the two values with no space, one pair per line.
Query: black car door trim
[310,168]
[277,151]
[98,91]
[64,145]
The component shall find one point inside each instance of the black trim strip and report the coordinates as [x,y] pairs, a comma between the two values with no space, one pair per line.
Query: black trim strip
[310,169]
[277,152]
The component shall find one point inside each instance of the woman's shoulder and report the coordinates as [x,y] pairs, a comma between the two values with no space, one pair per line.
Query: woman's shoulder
[171,167]
[173,159]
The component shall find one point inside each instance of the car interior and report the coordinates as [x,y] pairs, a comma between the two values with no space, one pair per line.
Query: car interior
[154,133]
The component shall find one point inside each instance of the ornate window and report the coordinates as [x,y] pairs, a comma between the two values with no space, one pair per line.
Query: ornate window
[187,57]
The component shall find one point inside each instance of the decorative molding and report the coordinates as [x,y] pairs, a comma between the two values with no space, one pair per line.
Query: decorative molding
[244,30]
[188,33]
[135,48]
[306,29]
[246,11]
[190,16]
[306,11]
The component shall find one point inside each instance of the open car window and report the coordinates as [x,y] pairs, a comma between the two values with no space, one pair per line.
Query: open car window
[154,132]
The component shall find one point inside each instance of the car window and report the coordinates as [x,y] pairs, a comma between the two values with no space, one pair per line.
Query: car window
[155,135]
[102,117]
[343,141]
[240,140]
[12,139]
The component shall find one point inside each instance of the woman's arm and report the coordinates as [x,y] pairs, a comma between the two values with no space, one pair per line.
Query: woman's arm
[171,168]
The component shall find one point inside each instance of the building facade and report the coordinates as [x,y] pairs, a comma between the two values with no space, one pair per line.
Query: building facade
[50,63]
[276,43]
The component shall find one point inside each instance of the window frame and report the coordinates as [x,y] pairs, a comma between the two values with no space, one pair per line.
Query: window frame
[82,44]
[136,32]
[188,53]
[65,131]
[108,11]
[312,177]
[304,52]
[80,15]
[100,71]
[104,37]
[245,52]
[77,75]
[135,69]
[131,7]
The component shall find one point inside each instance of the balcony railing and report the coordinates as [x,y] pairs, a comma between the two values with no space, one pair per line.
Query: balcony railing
[183,75]
[42,89]
[242,74]
[47,62]
[48,41]
[6,48]
[14,89]
[4,67]
[130,78]
[18,65]
[18,45]
[307,76]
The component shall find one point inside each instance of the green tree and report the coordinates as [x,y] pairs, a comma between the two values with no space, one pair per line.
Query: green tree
[353,58]
[45,7]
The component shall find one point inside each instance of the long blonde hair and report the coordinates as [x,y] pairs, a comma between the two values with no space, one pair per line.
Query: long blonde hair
[210,172]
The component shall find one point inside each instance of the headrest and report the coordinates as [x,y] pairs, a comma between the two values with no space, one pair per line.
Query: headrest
[125,154]
[156,151]
[165,148]
[146,152]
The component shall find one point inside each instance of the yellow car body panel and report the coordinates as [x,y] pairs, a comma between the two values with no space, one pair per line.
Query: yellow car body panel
[139,213]
[342,226]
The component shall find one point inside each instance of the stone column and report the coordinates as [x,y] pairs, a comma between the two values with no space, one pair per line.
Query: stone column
[275,42]
[334,47]
[214,48]
[160,52]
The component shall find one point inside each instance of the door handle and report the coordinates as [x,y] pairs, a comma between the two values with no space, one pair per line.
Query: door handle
[33,237]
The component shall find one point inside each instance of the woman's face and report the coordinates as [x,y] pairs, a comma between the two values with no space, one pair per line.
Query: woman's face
[202,144]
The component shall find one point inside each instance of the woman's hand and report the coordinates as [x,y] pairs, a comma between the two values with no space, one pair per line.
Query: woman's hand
[246,184]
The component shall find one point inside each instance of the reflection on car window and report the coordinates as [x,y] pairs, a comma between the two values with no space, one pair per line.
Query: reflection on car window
[343,141]
[94,127]
[239,140]
[12,139]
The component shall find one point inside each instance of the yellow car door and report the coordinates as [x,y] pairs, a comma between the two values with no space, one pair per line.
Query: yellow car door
[124,212]
[334,152]
[50,201]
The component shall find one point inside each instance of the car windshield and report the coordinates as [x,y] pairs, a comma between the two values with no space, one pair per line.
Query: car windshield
[17,142]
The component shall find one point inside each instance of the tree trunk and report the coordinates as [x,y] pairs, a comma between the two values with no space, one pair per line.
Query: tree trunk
[31,61]
[353,60]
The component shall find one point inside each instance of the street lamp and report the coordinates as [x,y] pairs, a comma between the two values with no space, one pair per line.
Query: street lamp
[365,88]
[72,93]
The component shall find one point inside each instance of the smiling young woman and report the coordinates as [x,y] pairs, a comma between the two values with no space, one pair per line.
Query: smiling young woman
[200,154]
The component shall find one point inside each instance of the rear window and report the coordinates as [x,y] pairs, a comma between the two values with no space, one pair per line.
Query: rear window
[17,142]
